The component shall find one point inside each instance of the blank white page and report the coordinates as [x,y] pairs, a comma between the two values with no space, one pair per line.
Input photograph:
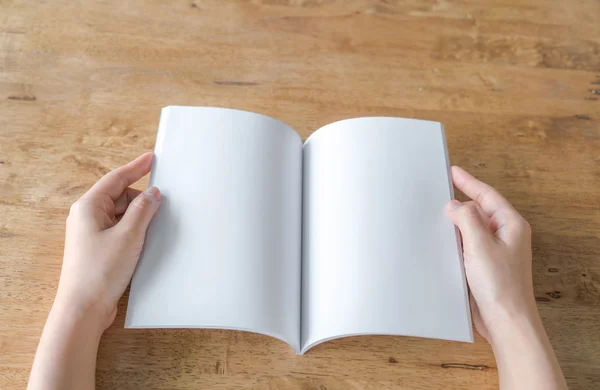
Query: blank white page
[379,254]
[223,250]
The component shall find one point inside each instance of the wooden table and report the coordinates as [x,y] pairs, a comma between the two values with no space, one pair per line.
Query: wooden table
[516,83]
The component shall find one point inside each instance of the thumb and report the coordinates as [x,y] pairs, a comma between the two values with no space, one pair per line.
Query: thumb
[468,219]
[140,211]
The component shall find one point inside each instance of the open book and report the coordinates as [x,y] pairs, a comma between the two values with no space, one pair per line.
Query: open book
[344,235]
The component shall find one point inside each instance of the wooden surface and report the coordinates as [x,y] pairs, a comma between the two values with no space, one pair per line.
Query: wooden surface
[516,83]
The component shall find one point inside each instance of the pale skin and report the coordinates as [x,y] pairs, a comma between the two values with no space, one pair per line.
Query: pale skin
[105,234]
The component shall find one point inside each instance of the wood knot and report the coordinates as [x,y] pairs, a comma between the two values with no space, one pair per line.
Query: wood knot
[219,369]
[480,367]
[26,98]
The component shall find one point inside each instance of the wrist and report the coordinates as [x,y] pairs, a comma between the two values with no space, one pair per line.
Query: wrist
[66,354]
[70,316]
[85,302]
[523,352]
[513,321]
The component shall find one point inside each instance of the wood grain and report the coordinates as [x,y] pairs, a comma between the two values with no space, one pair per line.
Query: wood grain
[516,83]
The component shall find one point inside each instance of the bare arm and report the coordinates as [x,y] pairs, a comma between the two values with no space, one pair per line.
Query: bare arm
[497,254]
[105,234]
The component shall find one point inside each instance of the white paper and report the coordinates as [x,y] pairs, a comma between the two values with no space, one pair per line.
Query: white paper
[224,249]
[379,254]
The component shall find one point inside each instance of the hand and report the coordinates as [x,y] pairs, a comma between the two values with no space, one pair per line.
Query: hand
[105,234]
[497,253]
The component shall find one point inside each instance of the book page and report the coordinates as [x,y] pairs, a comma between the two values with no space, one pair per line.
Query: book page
[379,254]
[223,250]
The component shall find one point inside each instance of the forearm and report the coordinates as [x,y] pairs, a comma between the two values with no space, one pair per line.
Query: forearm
[66,355]
[524,355]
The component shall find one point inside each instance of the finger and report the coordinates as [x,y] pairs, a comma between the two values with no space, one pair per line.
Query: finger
[125,199]
[116,181]
[485,195]
[468,220]
[141,210]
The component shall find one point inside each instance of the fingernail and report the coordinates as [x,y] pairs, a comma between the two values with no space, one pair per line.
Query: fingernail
[153,192]
[453,205]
